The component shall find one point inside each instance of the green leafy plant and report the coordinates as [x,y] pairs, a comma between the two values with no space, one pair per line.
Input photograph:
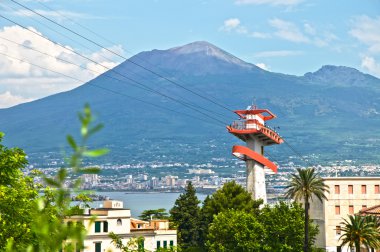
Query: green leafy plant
[303,186]
[185,216]
[360,230]
[47,212]
[159,214]
[135,244]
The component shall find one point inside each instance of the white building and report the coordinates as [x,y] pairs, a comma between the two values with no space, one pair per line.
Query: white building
[348,195]
[114,218]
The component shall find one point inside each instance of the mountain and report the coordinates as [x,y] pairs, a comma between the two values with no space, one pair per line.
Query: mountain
[332,113]
[342,76]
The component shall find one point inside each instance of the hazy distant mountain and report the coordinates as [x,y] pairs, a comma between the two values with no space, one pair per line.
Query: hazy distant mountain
[333,112]
[343,76]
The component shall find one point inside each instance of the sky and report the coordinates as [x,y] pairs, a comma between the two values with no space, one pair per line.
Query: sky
[284,36]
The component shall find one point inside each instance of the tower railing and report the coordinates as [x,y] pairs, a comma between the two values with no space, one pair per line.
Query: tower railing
[242,125]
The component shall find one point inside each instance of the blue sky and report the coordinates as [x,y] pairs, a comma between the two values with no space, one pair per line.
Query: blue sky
[286,36]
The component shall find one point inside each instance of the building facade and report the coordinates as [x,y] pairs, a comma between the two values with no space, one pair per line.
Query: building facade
[348,196]
[112,217]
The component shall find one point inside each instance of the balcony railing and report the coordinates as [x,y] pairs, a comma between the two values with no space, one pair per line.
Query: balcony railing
[242,125]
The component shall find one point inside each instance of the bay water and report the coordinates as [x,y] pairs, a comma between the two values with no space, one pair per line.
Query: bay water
[138,202]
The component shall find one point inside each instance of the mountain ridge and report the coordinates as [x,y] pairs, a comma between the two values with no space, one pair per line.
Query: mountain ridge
[314,114]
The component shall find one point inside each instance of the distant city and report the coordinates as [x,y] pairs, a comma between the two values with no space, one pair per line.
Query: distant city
[208,177]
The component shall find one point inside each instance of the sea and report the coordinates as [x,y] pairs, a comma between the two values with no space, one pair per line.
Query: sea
[138,202]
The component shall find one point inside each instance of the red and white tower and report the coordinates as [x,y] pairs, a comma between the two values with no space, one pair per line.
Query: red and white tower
[251,128]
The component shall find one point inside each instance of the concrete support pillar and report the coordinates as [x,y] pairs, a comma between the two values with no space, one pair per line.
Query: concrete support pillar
[255,174]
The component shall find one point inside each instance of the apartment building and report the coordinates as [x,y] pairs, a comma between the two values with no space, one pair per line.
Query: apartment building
[112,217]
[348,195]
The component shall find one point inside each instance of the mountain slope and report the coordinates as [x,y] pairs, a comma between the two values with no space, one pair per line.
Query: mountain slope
[333,112]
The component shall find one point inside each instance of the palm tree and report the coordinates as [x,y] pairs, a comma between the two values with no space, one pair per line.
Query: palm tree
[360,230]
[303,186]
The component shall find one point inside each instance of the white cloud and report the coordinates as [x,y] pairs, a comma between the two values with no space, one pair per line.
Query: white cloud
[367,31]
[9,100]
[259,35]
[25,80]
[231,23]
[309,34]
[262,66]
[370,64]
[309,29]
[270,2]
[54,14]
[280,53]
[288,31]
[234,25]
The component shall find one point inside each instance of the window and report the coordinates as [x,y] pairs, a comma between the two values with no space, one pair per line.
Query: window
[337,210]
[97,226]
[118,222]
[171,243]
[337,189]
[350,189]
[377,189]
[98,247]
[105,226]
[338,231]
[165,244]
[158,244]
[351,209]
[364,189]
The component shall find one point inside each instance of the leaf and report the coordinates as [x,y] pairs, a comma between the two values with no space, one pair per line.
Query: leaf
[95,153]
[52,182]
[71,142]
[90,170]
[62,174]
[95,129]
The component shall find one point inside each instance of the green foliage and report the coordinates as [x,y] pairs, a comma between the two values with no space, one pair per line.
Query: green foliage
[230,196]
[37,223]
[185,215]
[304,185]
[234,230]
[360,230]
[284,224]
[17,196]
[159,214]
[134,244]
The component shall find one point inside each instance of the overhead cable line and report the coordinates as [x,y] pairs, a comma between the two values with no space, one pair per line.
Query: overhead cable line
[106,58]
[298,154]
[63,60]
[136,83]
[121,56]
[112,42]
[143,67]
[107,89]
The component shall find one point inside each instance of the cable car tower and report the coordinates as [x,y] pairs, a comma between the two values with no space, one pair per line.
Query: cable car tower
[251,128]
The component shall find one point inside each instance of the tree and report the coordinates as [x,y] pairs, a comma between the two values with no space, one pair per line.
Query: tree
[17,197]
[283,224]
[160,214]
[185,216]
[33,222]
[230,196]
[135,244]
[303,186]
[236,230]
[360,230]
